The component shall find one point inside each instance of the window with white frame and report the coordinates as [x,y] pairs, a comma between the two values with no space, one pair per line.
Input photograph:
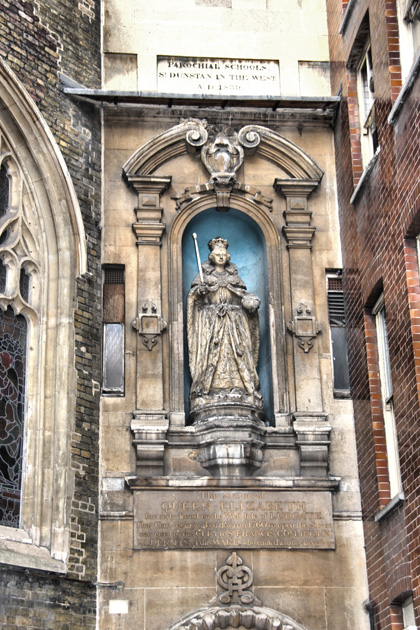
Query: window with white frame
[407,609]
[365,91]
[408,12]
[387,398]
[418,250]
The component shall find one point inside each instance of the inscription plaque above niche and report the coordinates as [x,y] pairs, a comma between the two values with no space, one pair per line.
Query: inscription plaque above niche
[201,75]
[245,519]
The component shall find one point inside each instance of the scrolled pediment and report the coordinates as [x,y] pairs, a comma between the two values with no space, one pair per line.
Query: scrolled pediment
[192,135]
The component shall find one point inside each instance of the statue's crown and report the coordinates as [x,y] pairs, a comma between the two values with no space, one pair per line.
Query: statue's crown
[218,242]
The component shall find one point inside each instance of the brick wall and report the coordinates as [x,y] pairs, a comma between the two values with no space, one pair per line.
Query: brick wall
[33,600]
[39,40]
[379,254]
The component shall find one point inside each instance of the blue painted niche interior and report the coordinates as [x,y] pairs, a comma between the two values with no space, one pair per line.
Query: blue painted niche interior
[248,252]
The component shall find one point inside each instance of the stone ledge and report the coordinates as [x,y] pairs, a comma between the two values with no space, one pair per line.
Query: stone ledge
[21,552]
[365,177]
[390,506]
[346,17]
[287,483]
[405,91]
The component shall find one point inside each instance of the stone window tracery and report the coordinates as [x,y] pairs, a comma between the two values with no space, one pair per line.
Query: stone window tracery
[19,264]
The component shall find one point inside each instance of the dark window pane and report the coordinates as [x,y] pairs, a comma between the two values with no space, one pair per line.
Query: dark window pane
[4,236]
[13,334]
[4,190]
[3,276]
[24,284]
[340,362]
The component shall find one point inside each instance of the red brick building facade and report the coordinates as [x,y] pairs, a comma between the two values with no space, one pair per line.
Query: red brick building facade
[374,66]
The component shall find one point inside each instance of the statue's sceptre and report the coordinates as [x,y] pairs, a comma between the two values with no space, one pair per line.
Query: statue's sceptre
[197,253]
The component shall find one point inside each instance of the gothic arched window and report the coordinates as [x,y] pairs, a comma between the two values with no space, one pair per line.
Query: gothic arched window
[19,265]
[42,252]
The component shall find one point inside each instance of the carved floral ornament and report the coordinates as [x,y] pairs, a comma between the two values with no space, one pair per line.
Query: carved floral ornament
[237,606]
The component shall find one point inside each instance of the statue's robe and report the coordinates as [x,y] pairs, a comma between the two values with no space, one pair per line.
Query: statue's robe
[223,337]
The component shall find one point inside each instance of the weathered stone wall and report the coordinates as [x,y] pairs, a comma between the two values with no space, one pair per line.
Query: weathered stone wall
[39,40]
[379,254]
[33,600]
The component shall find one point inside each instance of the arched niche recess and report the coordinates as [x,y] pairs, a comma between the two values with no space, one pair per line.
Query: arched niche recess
[248,252]
[255,618]
[274,351]
[46,220]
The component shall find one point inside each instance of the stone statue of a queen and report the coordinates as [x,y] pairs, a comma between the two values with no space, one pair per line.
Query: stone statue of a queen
[223,341]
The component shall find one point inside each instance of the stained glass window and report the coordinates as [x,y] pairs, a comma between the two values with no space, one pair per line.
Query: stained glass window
[4,190]
[24,284]
[13,334]
[3,276]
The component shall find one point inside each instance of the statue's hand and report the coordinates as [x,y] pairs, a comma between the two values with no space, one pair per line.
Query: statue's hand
[251,302]
[203,289]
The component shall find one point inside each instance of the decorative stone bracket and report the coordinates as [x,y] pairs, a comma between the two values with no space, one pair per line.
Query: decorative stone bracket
[148,227]
[304,327]
[313,440]
[149,325]
[149,439]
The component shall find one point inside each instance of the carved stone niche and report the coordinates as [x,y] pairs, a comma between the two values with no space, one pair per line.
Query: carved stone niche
[234,446]
[235,605]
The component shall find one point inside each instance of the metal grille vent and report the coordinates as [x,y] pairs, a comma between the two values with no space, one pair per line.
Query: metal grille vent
[335,284]
[114,275]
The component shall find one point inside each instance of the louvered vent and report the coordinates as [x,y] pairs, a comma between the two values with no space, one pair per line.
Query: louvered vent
[336,302]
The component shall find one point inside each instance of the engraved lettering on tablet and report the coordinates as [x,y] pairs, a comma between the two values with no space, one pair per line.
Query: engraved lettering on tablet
[199,75]
[199,519]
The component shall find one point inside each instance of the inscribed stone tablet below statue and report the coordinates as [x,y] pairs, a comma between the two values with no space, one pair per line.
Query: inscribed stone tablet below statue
[244,519]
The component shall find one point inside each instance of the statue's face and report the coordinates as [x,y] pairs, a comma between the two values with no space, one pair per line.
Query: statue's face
[220,256]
